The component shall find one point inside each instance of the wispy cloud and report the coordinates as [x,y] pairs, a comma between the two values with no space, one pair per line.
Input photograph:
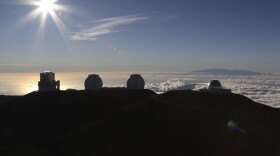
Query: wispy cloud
[19,65]
[93,30]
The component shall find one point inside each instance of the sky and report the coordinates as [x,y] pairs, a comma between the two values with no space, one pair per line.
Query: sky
[140,35]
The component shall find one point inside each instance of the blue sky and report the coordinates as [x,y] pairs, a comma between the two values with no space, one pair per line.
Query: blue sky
[141,35]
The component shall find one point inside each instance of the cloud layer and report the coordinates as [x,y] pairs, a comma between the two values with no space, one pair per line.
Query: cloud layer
[93,30]
[264,89]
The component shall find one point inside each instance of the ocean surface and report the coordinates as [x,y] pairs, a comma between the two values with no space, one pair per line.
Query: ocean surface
[263,88]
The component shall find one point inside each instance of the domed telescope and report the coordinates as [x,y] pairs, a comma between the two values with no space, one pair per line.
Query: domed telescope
[47,82]
[215,84]
[215,87]
[93,82]
[135,82]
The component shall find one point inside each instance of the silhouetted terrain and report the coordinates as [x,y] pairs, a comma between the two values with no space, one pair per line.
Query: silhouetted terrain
[136,123]
[6,99]
[226,72]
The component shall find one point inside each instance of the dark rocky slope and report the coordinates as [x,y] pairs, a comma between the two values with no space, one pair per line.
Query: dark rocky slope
[138,122]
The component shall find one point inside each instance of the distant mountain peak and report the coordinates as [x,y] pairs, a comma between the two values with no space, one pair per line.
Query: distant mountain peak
[225,72]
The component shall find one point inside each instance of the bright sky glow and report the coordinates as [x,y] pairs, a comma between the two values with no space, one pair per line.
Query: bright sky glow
[44,9]
[47,6]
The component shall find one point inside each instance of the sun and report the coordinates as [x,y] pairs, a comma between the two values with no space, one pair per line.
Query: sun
[45,10]
[47,6]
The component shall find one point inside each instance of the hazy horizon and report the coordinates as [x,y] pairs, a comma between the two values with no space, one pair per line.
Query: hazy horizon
[28,71]
[260,88]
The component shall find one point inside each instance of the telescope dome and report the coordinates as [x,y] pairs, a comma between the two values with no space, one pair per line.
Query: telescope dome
[135,81]
[93,82]
[215,84]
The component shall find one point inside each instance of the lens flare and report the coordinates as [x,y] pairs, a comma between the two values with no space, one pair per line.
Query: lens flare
[234,126]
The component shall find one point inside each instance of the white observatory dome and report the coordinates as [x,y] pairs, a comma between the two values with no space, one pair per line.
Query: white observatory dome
[93,82]
[215,84]
[135,82]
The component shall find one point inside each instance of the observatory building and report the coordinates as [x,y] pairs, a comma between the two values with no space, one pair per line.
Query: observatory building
[47,82]
[215,84]
[215,87]
[93,82]
[135,81]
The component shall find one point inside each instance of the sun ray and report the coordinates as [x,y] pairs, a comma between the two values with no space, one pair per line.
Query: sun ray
[62,28]
[24,20]
[50,8]
[44,9]
[41,29]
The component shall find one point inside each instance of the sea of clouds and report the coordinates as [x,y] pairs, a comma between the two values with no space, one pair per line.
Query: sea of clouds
[264,89]
[260,88]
